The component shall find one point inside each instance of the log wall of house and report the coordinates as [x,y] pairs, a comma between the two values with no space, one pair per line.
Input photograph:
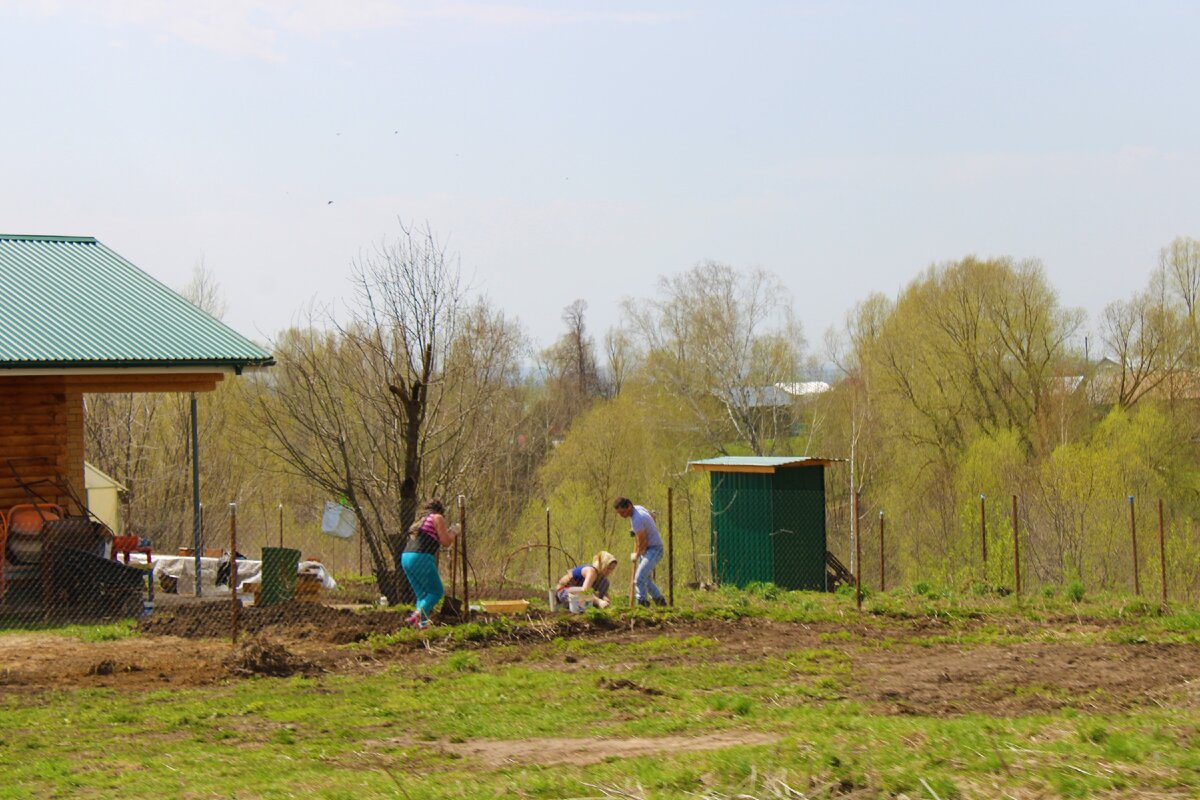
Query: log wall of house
[41,442]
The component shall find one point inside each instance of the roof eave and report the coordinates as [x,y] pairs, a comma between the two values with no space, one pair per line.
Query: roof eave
[714,465]
[238,365]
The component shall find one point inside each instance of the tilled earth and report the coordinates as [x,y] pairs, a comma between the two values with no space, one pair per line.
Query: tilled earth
[900,667]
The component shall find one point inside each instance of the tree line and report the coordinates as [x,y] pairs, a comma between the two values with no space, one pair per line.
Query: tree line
[973,380]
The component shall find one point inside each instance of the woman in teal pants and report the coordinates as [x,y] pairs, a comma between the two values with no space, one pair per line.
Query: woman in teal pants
[419,559]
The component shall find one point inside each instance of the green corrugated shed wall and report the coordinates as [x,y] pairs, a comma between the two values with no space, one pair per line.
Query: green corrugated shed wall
[770,527]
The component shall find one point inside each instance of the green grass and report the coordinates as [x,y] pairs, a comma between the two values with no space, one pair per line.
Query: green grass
[106,632]
[394,734]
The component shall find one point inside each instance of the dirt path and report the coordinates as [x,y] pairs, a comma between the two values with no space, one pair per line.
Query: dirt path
[500,753]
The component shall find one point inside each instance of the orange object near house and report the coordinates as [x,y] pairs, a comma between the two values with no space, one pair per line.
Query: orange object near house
[25,522]
[28,518]
[20,529]
[127,545]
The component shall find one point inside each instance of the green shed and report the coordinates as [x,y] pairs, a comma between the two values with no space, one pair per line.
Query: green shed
[768,519]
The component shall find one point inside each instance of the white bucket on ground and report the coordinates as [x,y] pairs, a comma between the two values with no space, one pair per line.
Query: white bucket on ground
[576,602]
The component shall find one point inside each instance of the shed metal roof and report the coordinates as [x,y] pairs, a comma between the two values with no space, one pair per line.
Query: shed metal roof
[758,463]
[69,301]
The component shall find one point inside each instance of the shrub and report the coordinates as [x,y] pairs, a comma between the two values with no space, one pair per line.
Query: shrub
[764,589]
[1074,591]
[849,591]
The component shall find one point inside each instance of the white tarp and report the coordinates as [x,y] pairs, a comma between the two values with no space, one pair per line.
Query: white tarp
[304,568]
[183,568]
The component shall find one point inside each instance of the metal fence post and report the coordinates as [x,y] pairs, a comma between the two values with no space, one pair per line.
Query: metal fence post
[670,545]
[882,578]
[1162,551]
[1016,549]
[462,533]
[233,572]
[1137,584]
[549,569]
[857,554]
[197,524]
[983,531]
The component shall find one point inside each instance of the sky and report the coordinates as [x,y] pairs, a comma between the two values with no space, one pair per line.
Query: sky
[579,150]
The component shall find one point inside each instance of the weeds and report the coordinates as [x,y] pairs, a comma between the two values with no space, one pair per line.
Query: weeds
[1074,592]
[580,678]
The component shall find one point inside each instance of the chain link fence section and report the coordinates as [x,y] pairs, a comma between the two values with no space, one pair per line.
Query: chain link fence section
[59,569]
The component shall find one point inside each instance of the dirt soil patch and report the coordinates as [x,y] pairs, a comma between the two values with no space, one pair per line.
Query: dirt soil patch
[1030,678]
[500,753]
[895,668]
[291,621]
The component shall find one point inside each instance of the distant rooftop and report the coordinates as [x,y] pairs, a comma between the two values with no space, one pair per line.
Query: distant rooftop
[758,463]
[70,302]
[804,387]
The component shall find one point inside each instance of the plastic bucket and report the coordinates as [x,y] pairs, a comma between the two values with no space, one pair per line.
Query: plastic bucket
[278,574]
[576,602]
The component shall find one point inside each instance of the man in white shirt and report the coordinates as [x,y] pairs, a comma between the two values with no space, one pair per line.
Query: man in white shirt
[649,549]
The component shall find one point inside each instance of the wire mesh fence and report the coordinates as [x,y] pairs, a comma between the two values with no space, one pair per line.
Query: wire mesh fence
[790,529]
[56,568]
[59,568]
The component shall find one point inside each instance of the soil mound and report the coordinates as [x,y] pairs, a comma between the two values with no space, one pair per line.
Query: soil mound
[261,656]
[313,622]
[290,621]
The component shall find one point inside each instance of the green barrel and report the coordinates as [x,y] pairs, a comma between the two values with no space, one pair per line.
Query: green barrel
[278,574]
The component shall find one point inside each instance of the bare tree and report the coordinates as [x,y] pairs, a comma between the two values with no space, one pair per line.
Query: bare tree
[1148,338]
[365,408]
[1180,263]
[204,291]
[621,359]
[572,378]
[721,342]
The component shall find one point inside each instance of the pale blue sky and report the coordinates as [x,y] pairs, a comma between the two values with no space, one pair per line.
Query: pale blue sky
[580,149]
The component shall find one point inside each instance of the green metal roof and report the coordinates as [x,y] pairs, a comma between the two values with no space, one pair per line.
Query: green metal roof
[69,301]
[758,463]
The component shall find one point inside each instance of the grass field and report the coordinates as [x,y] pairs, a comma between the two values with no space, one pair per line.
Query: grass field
[758,694]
